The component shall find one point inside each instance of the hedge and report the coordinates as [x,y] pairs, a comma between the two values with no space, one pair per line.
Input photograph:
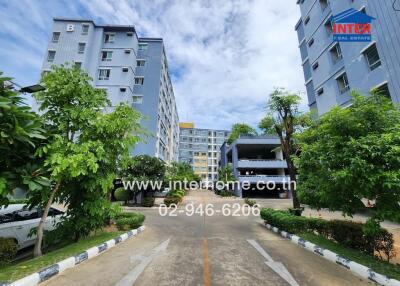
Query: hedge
[8,250]
[346,233]
[128,221]
[148,202]
[172,200]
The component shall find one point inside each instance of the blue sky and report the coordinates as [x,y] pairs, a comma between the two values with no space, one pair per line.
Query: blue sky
[225,57]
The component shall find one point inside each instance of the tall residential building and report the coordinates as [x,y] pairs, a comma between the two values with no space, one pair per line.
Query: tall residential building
[201,149]
[257,162]
[332,69]
[131,70]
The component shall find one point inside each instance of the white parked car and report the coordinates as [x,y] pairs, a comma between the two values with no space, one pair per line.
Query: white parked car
[16,221]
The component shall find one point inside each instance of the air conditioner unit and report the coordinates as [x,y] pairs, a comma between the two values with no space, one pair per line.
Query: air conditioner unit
[70,28]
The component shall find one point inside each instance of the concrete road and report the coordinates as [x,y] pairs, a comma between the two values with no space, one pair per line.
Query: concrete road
[206,250]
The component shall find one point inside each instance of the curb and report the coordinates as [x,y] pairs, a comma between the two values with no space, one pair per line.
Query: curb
[72,261]
[355,267]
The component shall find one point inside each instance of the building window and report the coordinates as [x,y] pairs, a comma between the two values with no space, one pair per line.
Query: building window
[81,48]
[140,63]
[129,34]
[311,42]
[382,90]
[372,57]
[139,80]
[307,20]
[56,37]
[51,55]
[104,74]
[106,56]
[320,91]
[127,51]
[343,83]
[138,99]
[328,27]
[78,65]
[125,69]
[122,89]
[315,66]
[336,53]
[109,37]
[142,46]
[85,29]
[323,4]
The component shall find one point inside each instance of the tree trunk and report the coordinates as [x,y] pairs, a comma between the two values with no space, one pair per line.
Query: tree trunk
[37,251]
[293,183]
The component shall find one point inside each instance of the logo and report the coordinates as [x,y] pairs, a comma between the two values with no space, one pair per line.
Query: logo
[352,26]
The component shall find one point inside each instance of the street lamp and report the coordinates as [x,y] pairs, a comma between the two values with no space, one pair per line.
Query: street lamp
[32,88]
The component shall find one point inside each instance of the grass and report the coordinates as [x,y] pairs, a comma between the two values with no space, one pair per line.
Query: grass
[17,270]
[379,266]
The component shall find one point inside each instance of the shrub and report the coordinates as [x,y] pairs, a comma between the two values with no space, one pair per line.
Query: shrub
[224,193]
[8,250]
[121,194]
[177,193]
[171,200]
[148,202]
[250,202]
[128,221]
[346,233]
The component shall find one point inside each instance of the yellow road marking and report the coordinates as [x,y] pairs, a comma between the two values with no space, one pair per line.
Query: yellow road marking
[206,274]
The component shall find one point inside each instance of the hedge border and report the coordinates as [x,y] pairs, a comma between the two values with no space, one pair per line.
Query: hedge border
[72,261]
[355,267]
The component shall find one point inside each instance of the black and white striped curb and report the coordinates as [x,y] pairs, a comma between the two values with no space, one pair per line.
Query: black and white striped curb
[55,269]
[355,267]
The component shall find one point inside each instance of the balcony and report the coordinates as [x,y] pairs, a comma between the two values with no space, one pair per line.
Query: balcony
[264,178]
[262,163]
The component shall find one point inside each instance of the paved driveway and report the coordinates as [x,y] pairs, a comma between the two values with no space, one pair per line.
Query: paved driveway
[206,250]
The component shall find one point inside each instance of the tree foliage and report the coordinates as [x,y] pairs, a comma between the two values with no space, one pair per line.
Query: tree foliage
[284,119]
[85,150]
[225,174]
[21,131]
[240,129]
[353,154]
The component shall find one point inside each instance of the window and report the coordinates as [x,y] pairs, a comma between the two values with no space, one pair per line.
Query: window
[81,48]
[51,55]
[137,99]
[124,69]
[323,4]
[129,34]
[106,56]
[109,38]
[78,65]
[315,66]
[85,29]
[142,46]
[140,63]
[122,89]
[56,37]
[382,90]
[372,57]
[104,74]
[343,83]
[336,53]
[306,20]
[320,91]
[328,27]
[139,80]
[311,42]
[127,51]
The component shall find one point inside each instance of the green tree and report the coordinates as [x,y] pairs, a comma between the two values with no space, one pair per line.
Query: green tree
[180,172]
[353,154]
[20,133]
[239,129]
[284,119]
[85,150]
[225,174]
[144,168]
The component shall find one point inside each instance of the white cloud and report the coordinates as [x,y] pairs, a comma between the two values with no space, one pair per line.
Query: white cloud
[227,55]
